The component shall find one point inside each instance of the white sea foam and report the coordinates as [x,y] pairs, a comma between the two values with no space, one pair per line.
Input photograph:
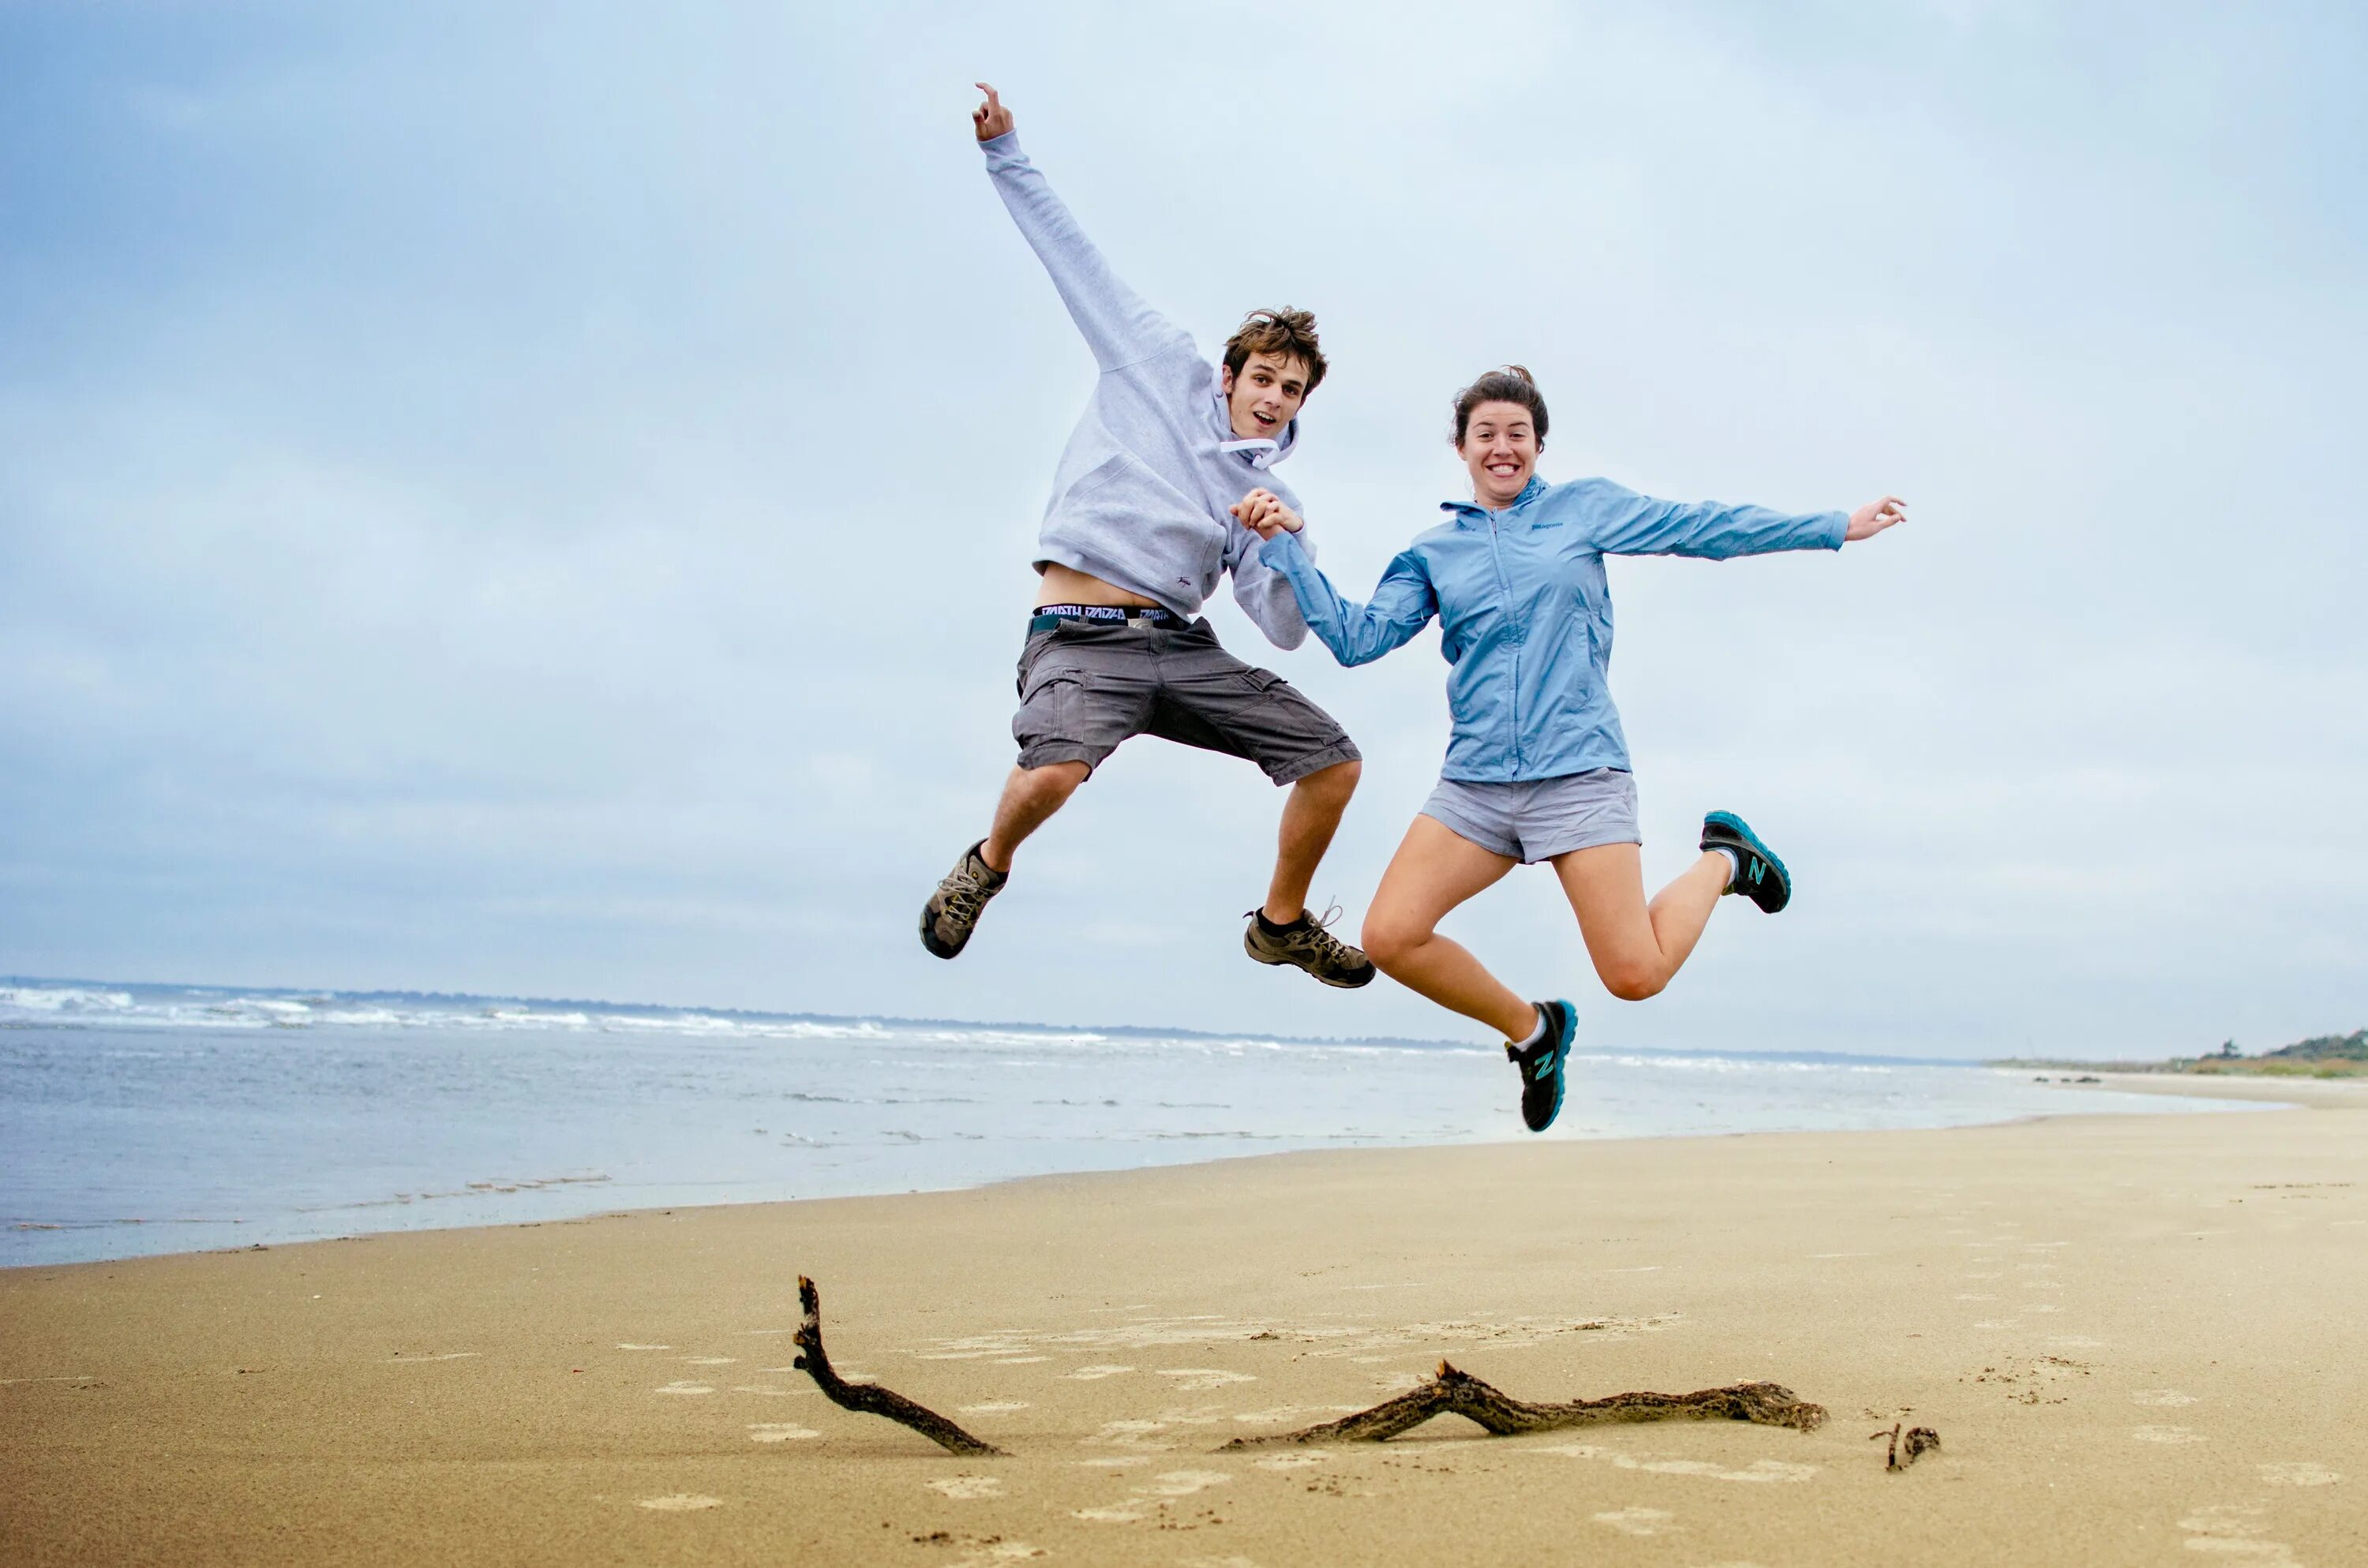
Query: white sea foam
[144,1119]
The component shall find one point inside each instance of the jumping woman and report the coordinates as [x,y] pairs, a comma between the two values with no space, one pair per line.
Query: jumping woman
[1537,768]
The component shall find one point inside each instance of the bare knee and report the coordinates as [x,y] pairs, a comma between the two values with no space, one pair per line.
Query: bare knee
[1051,784]
[1631,981]
[1332,786]
[1389,940]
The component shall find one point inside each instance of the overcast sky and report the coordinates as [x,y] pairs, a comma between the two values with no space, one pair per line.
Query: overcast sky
[537,499]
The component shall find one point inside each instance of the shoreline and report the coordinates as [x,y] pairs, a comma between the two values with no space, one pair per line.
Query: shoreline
[2337,1096]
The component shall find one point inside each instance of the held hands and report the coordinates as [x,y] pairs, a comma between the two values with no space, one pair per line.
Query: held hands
[1873,517]
[990,119]
[1263,513]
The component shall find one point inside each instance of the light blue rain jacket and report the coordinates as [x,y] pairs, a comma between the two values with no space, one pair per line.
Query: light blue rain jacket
[1525,612]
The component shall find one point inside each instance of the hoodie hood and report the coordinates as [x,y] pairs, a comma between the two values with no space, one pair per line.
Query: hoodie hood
[1261,451]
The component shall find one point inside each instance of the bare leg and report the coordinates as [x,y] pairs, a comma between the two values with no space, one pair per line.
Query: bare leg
[1310,816]
[1638,948]
[1435,870]
[1030,796]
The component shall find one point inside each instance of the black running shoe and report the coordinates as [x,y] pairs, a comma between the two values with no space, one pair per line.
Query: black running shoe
[1306,944]
[951,914]
[1762,877]
[1542,1065]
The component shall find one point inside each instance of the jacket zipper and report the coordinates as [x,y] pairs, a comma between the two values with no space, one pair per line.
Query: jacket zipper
[1505,587]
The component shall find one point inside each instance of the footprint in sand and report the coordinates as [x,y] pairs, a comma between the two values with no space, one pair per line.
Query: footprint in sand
[1640,1521]
[1165,1484]
[1282,1413]
[1135,1434]
[2297,1473]
[1191,1380]
[779,1432]
[684,1388]
[2235,1531]
[2165,1434]
[967,1486]
[1760,1471]
[681,1503]
[1293,1462]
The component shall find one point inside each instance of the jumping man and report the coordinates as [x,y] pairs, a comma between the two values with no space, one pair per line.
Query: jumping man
[1137,532]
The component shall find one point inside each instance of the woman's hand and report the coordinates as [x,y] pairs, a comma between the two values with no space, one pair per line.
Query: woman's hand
[1263,513]
[990,119]
[1873,517]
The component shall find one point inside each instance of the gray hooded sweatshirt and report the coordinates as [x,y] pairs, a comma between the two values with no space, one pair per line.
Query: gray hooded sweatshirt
[1140,499]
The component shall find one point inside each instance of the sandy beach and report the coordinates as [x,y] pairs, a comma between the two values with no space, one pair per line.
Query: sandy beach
[2140,1338]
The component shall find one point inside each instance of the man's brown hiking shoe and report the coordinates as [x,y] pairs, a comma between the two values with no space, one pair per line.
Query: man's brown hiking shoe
[1305,942]
[951,914]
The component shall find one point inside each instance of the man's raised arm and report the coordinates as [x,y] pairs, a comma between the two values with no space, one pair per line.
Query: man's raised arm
[1117,327]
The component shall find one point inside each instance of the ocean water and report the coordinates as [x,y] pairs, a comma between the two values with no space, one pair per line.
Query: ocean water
[140,1119]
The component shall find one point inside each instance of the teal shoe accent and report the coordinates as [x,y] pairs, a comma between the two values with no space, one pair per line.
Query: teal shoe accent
[1542,1065]
[1762,877]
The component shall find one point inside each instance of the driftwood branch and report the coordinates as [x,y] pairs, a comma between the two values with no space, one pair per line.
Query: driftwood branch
[1460,1393]
[870,1398]
[1919,1440]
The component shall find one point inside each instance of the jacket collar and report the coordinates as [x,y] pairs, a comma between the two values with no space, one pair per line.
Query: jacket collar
[1258,451]
[1471,511]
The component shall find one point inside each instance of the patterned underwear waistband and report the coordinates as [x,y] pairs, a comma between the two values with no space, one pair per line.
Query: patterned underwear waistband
[1046,616]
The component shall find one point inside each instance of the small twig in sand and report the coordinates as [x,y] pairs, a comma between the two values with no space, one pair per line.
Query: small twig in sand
[1920,1439]
[870,1398]
[1460,1393]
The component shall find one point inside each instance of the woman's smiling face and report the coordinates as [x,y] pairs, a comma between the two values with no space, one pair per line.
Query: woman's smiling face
[1500,448]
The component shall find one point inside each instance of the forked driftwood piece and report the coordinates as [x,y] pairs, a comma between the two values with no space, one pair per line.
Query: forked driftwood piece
[870,1398]
[1919,1440]
[1453,1393]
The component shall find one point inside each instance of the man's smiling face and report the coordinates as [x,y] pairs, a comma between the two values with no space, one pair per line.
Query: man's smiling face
[1263,400]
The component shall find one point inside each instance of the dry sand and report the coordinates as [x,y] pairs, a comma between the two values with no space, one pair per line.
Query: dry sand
[2141,1339]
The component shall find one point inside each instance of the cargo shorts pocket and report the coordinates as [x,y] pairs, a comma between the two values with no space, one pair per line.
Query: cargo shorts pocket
[1051,706]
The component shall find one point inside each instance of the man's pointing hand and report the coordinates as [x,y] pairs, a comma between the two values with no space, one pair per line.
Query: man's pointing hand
[990,119]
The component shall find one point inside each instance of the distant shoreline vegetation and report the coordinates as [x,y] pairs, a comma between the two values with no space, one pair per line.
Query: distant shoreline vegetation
[2321,1056]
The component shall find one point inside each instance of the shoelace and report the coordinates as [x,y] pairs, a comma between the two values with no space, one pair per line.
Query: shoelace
[1319,934]
[965,895]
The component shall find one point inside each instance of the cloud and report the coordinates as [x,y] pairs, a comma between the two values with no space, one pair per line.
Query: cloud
[538,501]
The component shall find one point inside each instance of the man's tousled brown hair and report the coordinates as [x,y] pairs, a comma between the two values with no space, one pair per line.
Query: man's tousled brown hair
[1288,333]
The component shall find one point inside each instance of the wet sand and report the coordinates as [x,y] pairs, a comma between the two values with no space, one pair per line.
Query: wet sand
[2142,1340]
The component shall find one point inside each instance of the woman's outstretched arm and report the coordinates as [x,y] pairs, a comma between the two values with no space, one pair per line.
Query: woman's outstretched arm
[1624,523]
[1357,633]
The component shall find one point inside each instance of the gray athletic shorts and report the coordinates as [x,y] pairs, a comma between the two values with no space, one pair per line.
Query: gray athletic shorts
[1085,687]
[1540,818]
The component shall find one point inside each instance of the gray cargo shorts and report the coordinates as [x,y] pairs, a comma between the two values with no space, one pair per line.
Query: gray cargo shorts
[1086,686]
[1538,819]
